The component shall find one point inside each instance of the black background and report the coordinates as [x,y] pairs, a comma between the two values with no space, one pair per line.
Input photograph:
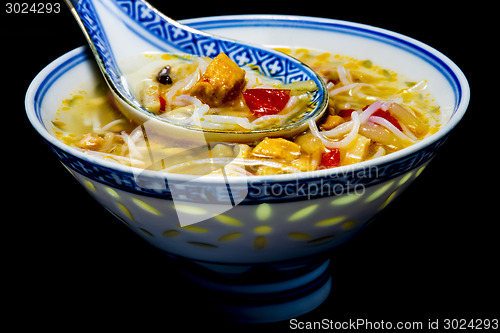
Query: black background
[432,255]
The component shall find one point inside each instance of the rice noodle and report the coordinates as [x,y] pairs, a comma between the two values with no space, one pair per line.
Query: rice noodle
[343,75]
[380,152]
[356,92]
[292,101]
[136,134]
[199,110]
[183,84]
[337,144]
[235,169]
[220,120]
[111,124]
[268,118]
[407,132]
[108,141]
[193,79]
[214,121]
[387,105]
[339,130]
[96,123]
[134,152]
[183,100]
[347,126]
[369,111]
[202,64]
[407,117]
[198,113]
[252,79]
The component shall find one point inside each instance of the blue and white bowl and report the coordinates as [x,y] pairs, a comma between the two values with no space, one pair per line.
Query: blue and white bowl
[261,239]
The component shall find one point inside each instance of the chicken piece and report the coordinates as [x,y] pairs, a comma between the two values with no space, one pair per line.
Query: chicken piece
[307,162]
[242,150]
[277,148]
[331,121]
[221,83]
[356,151]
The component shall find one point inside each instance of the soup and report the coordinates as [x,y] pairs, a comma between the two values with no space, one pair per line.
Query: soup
[372,112]
[214,93]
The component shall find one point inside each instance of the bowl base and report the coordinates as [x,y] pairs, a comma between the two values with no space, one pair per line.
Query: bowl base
[252,300]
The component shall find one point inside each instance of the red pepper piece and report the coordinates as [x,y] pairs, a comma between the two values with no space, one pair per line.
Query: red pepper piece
[330,158]
[163,103]
[387,115]
[264,102]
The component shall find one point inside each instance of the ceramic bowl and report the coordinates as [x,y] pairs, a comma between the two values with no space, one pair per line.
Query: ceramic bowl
[261,240]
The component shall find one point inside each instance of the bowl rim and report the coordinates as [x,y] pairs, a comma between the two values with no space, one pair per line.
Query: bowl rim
[45,78]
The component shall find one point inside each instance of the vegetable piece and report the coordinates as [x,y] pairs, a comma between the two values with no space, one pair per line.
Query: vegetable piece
[346,113]
[331,122]
[386,115]
[264,102]
[330,158]
[163,75]
[382,135]
[277,148]
[163,103]
[309,144]
[222,82]
[222,150]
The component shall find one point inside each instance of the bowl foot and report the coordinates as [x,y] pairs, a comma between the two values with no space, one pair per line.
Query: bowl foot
[261,298]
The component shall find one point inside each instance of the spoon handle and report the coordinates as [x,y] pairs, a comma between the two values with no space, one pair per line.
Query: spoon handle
[90,23]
